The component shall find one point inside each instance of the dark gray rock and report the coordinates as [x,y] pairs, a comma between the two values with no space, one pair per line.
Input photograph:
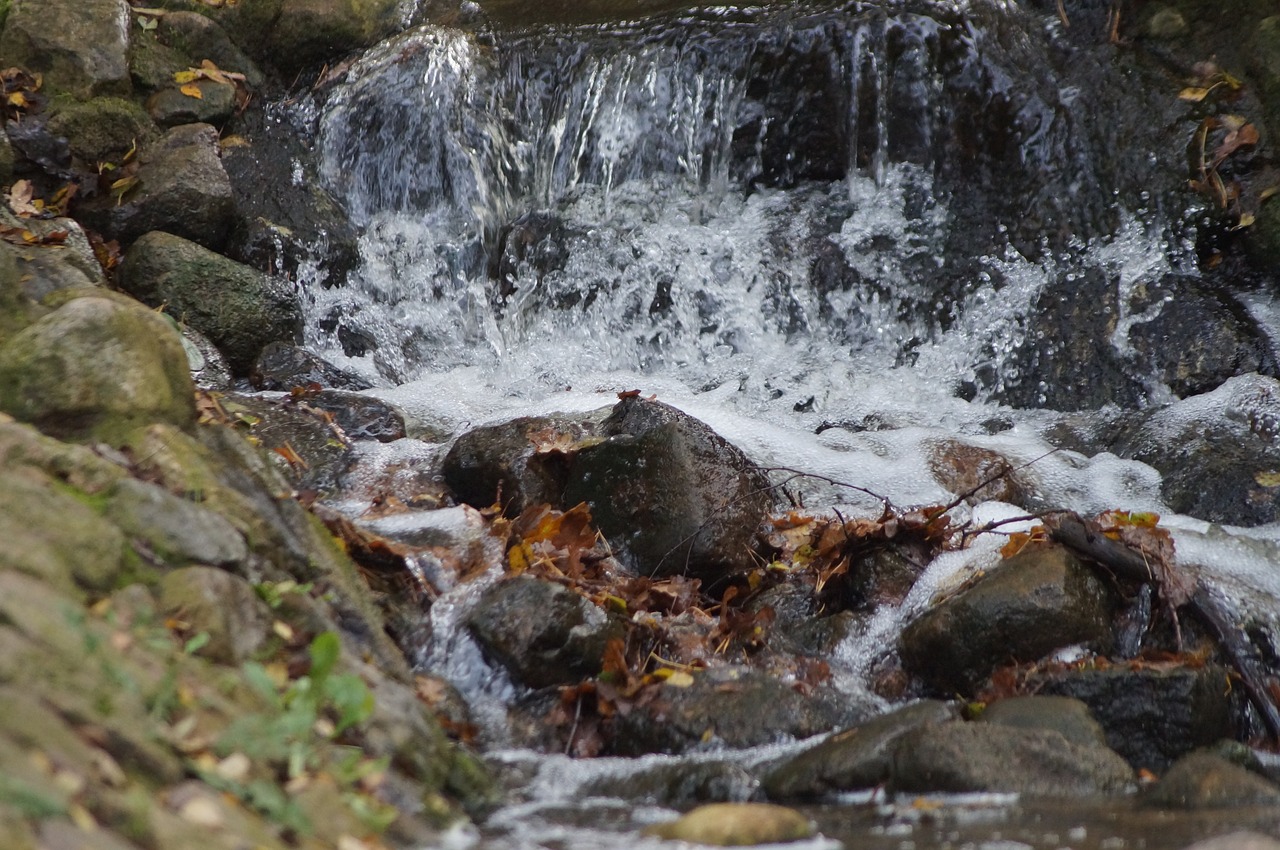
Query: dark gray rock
[1200,336]
[79,46]
[292,429]
[283,366]
[1205,781]
[182,189]
[671,783]
[240,309]
[1024,608]
[969,757]
[733,706]
[1068,717]
[506,457]
[1209,448]
[360,417]
[543,633]
[671,495]
[198,37]
[1068,361]
[1150,716]
[861,757]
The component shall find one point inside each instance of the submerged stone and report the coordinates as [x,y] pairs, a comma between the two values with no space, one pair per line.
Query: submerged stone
[736,825]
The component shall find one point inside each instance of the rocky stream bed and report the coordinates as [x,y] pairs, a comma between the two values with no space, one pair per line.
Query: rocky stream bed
[255,595]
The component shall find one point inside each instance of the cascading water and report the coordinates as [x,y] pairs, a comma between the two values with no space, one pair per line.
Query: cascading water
[825,231]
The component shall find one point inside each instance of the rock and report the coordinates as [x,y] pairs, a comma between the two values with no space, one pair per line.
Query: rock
[736,825]
[1204,781]
[1069,717]
[735,707]
[176,530]
[282,366]
[1025,607]
[51,267]
[961,757]
[510,458]
[312,454]
[209,369]
[96,366]
[79,46]
[102,130]
[217,603]
[360,417]
[311,32]
[1150,716]
[1242,840]
[1068,361]
[240,309]
[861,757]
[668,782]
[182,189]
[170,106]
[671,495]
[543,633]
[984,474]
[1209,448]
[6,160]
[401,729]
[198,37]
[1199,337]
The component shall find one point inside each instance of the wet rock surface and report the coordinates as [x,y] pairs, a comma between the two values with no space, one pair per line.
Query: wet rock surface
[1026,607]
[282,366]
[1204,781]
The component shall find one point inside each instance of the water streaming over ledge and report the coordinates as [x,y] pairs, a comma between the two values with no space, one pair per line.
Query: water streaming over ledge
[821,229]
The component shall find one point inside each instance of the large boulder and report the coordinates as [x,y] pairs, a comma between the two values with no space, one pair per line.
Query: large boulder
[240,309]
[182,188]
[59,258]
[79,46]
[102,130]
[671,495]
[310,32]
[96,366]
[961,757]
[1024,608]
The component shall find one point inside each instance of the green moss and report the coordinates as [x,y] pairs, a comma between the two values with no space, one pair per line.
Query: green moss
[104,129]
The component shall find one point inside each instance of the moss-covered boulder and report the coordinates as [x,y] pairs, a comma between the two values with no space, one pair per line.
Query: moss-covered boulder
[102,130]
[80,46]
[238,308]
[96,367]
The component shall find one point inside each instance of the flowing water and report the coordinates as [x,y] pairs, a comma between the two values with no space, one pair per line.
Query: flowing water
[822,229]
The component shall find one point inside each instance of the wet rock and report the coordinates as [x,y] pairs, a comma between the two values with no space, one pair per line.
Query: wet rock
[1200,336]
[671,495]
[543,633]
[969,757]
[860,757]
[209,369]
[182,189]
[6,160]
[282,366]
[171,106]
[360,417]
[176,530]
[1204,781]
[1150,716]
[1069,717]
[1024,608]
[313,456]
[677,783]
[1068,361]
[102,130]
[79,46]
[984,474]
[1209,448]
[240,309]
[507,458]
[734,706]
[736,825]
[198,37]
[96,366]
[219,604]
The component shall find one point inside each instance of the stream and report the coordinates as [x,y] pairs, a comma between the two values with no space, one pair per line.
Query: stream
[837,233]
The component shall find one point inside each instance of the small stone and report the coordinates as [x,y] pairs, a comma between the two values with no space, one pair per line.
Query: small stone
[736,825]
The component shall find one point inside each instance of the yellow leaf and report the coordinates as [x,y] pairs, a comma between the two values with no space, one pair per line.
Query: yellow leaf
[1270,478]
[1193,94]
[184,77]
[679,679]
[1246,220]
[18,100]
[192,90]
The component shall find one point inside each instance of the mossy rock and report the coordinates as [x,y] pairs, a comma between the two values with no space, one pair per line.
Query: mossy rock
[96,368]
[103,129]
[79,46]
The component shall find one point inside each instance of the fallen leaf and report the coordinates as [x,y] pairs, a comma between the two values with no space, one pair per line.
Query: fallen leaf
[192,90]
